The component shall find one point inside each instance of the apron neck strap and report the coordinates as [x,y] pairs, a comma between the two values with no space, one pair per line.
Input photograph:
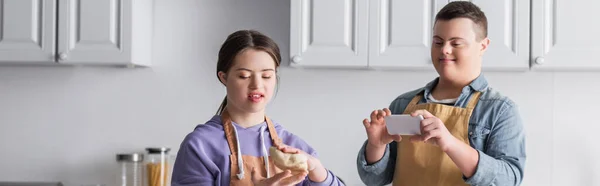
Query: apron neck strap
[415,100]
[274,137]
[230,133]
[473,101]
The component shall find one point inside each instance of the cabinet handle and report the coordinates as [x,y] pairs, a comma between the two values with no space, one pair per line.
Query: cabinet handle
[296,59]
[539,60]
[62,56]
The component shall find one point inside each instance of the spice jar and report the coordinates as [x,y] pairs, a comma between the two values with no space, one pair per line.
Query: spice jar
[130,169]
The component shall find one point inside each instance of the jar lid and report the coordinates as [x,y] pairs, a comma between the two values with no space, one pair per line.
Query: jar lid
[155,150]
[135,157]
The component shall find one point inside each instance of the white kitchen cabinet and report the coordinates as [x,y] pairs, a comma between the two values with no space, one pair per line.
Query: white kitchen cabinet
[400,33]
[565,35]
[331,33]
[112,32]
[508,31]
[27,31]
[95,32]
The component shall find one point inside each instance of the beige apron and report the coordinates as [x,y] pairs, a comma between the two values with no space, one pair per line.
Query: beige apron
[420,163]
[249,161]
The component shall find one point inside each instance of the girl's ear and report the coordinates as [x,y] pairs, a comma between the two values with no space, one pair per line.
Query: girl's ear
[222,77]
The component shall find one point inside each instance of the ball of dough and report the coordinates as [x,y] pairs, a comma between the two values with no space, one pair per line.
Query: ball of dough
[294,162]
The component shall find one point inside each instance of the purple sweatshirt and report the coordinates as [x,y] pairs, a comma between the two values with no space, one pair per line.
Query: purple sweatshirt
[203,157]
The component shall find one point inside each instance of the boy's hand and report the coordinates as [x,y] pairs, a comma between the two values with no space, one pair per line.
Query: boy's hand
[376,130]
[433,131]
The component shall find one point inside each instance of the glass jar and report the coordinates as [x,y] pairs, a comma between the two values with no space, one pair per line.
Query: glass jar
[131,169]
[158,166]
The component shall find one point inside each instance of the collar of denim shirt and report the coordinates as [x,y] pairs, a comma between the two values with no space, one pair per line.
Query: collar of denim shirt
[478,84]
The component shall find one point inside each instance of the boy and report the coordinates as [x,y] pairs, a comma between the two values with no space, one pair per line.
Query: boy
[471,133]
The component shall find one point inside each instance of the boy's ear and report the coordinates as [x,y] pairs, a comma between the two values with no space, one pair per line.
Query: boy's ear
[222,77]
[484,43]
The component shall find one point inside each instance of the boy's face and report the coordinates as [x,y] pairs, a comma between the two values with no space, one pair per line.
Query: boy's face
[456,50]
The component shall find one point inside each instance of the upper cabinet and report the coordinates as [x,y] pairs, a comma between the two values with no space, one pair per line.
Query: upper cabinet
[565,35]
[331,33]
[508,31]
[27,31]
[400,33]
[106,32]
[523,34]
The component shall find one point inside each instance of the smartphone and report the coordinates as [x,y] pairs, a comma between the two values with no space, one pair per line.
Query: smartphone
[403,124]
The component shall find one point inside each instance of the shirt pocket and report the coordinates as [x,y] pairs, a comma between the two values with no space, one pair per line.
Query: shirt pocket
[478,136]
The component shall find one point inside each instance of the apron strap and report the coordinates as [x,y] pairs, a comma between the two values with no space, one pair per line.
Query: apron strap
[273,132]
[415,99]
[229,133]
[473,101]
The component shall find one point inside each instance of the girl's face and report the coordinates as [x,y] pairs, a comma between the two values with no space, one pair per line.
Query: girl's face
[250,81]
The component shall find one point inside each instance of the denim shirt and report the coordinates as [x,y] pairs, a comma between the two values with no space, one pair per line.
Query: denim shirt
[495,131]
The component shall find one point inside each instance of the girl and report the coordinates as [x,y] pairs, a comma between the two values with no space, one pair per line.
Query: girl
[232,147]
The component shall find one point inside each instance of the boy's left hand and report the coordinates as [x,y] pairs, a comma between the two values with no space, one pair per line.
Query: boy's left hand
[433,131]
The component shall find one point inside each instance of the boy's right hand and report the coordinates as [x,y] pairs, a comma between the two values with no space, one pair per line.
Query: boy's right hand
[377,132]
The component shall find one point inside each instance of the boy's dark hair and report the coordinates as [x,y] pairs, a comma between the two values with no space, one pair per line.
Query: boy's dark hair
[465,9]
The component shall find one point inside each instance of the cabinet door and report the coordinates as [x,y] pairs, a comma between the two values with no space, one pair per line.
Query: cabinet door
[400,33]
[94,32]
[565,35]
[27,31]
[329,33]
[508,31]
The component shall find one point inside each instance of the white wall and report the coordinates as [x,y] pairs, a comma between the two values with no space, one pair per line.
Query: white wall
[67,123]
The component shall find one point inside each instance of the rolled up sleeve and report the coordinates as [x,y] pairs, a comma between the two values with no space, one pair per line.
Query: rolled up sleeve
[380,172]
